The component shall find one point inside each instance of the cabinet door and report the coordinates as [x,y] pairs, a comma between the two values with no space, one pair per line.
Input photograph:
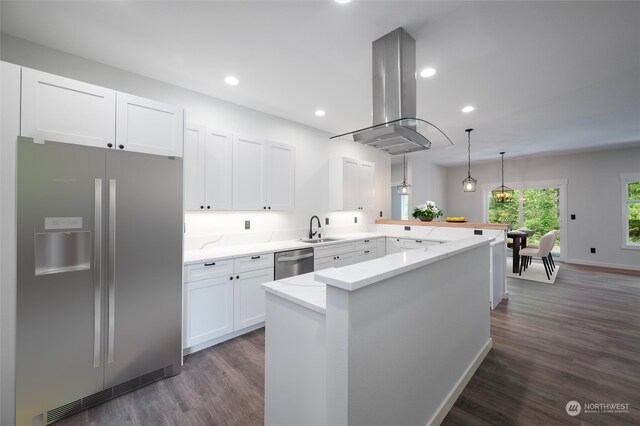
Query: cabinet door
[208,312]
[350,176]
[280,176]
[392,245]
[365,185]
[59,109]
[218,170]
[148,126]
[249,299]
[344,260]
[364,255]
[249,174]
[323,263]
[194,167]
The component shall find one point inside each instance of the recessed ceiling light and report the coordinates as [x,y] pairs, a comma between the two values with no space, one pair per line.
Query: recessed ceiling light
[320,113]
[231,80]
[342,1]
[468,108]
[427,72]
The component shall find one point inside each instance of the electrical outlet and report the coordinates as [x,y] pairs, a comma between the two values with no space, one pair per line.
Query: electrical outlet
[477,232]
[380,213]
[326,220]
[593,249]
[573,217]
[407,228]
[247,224]
[355,219]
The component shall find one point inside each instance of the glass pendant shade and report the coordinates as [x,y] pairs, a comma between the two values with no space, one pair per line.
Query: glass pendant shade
[469,184]
[502,193]
[404,188]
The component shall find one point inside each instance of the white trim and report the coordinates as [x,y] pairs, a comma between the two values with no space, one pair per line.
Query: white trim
[604,264]
[625,178]
[446,405]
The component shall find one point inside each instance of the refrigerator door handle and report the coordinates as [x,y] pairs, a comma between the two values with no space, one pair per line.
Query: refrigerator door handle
[97,274]
[112,268]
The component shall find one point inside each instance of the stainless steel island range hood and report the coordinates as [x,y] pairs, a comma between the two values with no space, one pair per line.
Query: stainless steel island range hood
[395,128]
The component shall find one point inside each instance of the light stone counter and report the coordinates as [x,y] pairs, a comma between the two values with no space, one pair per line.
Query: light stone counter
[395,342]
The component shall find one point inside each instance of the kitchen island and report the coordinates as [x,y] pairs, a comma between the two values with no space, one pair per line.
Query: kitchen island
[393,340]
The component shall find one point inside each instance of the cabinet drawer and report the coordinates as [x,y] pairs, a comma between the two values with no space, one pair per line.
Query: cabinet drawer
[366,244]
[333,250]
[251,263]
[366,254]
[215,268]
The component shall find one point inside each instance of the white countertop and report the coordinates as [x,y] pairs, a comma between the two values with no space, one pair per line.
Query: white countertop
[309,290]
[356,276]
[219,253]
[301,289]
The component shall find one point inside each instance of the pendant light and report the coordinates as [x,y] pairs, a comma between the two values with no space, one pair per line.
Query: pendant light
[404,188]
[469,184]
[502,193]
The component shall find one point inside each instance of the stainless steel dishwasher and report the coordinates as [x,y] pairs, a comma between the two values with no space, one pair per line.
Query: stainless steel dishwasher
[293,262]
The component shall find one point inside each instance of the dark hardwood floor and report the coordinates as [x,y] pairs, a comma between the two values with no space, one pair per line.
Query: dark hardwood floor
[578,339]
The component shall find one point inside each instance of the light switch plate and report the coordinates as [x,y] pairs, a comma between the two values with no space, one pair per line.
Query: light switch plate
[355,219]
[326,220]
[247,224]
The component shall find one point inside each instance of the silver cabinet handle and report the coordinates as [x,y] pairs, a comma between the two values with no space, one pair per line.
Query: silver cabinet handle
[97,273]
[292,258]
[112,267]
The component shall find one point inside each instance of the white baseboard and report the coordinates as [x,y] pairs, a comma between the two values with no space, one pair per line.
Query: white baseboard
[446,405]
[604,264]
[213,342]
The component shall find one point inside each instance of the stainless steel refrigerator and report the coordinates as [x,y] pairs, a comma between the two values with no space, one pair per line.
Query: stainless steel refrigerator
[99,275]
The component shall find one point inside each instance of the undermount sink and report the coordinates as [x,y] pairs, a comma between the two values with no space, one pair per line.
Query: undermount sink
[319,240]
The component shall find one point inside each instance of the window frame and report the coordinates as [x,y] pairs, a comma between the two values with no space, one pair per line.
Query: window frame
[625,180]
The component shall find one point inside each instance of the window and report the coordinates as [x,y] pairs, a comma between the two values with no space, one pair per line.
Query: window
[631,211]
[404,207]
[537,209]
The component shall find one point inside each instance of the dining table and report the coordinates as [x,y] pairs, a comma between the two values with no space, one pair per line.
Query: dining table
[519,240]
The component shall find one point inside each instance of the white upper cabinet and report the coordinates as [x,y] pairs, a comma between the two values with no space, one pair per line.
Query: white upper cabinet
[60,109]
[263,175]
[194,166]
[208,158]
[280,176]
[365,185]
[249,174]
[351,184]
[218,170]
[148,126]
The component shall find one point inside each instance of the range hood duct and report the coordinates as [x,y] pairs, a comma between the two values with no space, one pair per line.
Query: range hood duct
[395,128]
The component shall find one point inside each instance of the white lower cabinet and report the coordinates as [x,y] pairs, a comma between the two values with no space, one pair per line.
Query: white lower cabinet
[366,254]
[208,310]
[392,245]
[224,298]
[249,298]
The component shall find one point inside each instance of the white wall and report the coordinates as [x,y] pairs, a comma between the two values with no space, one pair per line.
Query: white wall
[427,182]
[593,195]
[313,147]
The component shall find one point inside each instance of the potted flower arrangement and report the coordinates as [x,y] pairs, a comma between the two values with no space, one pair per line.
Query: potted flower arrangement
[427,212]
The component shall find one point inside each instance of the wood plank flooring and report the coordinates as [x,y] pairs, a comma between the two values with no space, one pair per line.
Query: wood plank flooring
[578,339]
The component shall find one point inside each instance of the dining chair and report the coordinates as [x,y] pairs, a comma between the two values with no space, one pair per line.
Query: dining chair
[552,262]
[543,251]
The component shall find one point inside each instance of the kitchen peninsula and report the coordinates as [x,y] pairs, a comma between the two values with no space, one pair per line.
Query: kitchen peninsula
[393,340]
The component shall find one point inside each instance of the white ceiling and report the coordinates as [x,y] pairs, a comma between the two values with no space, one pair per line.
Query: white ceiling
[544,76]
